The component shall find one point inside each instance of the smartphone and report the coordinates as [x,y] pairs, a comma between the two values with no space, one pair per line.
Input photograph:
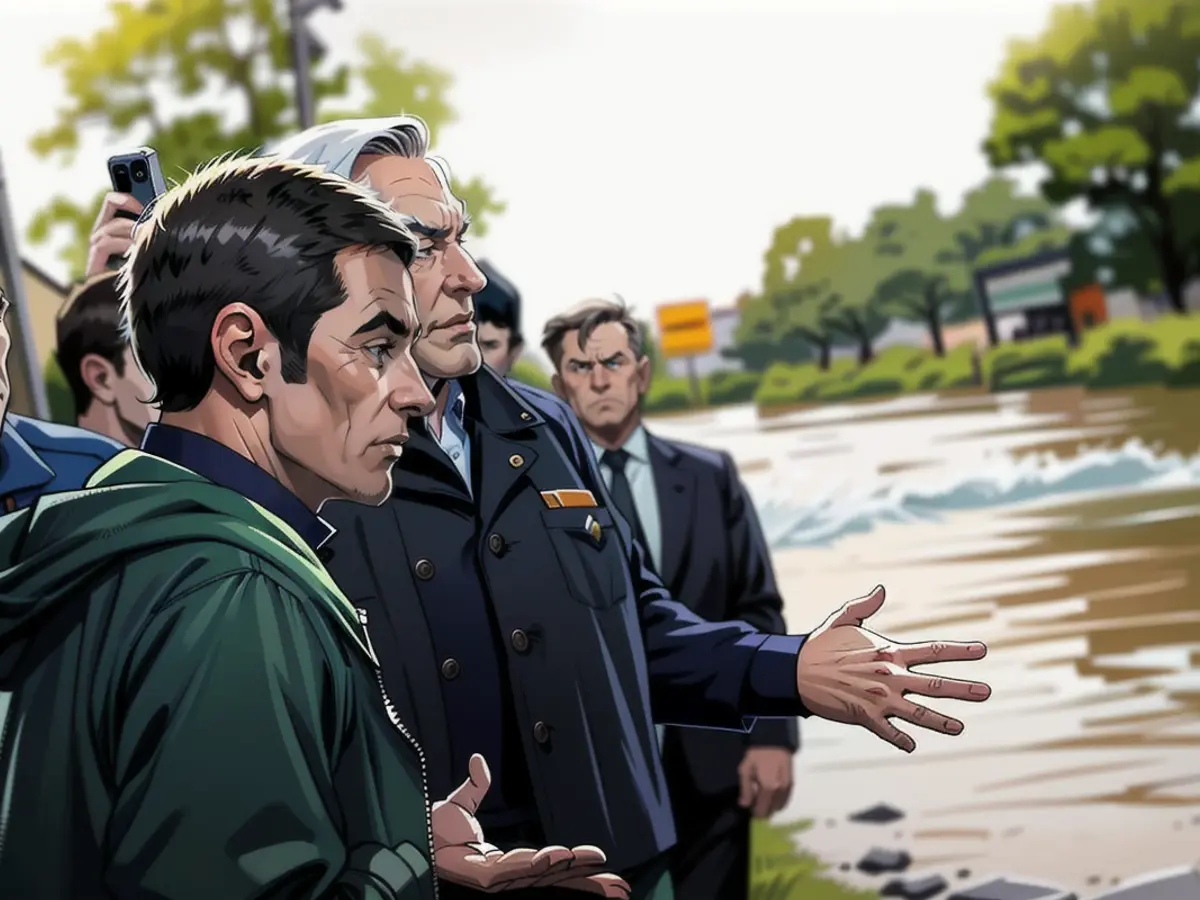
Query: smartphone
[139,174]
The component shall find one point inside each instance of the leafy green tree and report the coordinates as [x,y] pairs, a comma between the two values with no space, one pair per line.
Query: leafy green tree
[850,305]
[198,78]
[933,256]
[1102,100]
[763,338]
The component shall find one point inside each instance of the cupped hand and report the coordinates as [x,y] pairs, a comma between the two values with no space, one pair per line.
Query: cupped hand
[112,235]
[850,674]
[463,855]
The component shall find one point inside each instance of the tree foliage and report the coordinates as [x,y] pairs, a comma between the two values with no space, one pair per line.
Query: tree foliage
[1102,100]
[199,78]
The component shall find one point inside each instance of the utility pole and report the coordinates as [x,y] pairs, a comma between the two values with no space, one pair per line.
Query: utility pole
[306,49]
[14,282]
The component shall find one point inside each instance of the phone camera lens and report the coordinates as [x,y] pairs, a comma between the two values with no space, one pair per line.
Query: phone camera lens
[138,168]
[121,179]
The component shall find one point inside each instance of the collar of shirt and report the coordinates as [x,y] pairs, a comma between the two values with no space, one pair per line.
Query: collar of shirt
[228,468]
[637,445]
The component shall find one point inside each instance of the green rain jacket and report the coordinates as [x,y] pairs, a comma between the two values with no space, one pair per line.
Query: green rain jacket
[191,708]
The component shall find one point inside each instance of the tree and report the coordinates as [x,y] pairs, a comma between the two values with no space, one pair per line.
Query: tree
[933,256]
[1102,99]
[198,78]
[851,298]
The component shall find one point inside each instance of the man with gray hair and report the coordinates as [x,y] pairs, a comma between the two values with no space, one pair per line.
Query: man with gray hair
[517,616]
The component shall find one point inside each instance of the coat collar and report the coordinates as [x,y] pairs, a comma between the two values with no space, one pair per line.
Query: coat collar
[21,468]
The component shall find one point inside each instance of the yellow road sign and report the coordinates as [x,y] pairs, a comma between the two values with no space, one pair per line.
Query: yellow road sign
[684,329]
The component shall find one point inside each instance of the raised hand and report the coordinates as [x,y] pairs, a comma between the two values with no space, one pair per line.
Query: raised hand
[112,235]
[849,674]
[464,857]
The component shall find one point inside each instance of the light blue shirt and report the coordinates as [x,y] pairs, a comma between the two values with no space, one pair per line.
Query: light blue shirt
[454,440]
[640,474]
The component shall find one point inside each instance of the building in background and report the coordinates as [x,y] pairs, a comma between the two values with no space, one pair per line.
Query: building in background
[45,296]
[725,321]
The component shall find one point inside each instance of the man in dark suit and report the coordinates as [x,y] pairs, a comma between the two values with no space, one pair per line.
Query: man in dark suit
[512,611]
[701,532]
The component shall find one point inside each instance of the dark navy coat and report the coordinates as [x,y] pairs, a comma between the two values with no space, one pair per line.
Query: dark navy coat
[596,650]
[39,457]
[716,562]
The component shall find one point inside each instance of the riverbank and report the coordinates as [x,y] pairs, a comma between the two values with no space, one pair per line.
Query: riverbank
[1122,353]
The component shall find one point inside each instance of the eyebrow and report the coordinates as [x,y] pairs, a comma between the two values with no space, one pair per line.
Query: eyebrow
[616,356]
[388,321]
[434,233]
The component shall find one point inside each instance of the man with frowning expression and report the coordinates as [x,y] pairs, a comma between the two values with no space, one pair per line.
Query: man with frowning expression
[522,620]
[192,709]
[699,527]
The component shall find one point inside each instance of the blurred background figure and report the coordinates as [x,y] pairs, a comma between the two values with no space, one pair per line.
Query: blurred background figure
[498,319]
[698,524]
[110,393]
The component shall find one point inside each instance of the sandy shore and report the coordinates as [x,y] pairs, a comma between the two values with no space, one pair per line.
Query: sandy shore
[1084,767]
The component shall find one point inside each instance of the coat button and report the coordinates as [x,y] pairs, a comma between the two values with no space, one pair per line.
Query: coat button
[496,544]
[516,460]
[525,417]
[541,732]
[520,641]
[450,669]
[424,569]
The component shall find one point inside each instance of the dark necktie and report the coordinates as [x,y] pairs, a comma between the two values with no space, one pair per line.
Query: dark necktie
[622,495]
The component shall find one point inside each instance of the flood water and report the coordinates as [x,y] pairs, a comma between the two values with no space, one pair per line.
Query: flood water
[1061,527]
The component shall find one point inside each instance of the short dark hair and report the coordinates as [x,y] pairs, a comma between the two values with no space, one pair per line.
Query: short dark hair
[89,322]
[585,318]
[499,303]
[263,232]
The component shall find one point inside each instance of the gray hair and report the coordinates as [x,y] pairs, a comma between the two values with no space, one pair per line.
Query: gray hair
[337,146]
[586,317]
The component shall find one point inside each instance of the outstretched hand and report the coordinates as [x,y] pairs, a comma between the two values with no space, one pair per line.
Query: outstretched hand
[850,674]
[464,857]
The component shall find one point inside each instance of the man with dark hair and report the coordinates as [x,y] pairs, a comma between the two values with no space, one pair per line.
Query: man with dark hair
[700,531]
[498,309]
[524,623]
[195,709]
[110,393]
[40,457]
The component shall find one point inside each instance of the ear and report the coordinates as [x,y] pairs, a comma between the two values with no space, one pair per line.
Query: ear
[557,384]
[245,351]
[643,375]
[100,377]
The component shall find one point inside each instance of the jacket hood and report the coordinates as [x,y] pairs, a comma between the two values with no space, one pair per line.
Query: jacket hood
[135,503]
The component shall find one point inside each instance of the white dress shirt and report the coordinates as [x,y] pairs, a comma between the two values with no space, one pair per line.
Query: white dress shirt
[454,440]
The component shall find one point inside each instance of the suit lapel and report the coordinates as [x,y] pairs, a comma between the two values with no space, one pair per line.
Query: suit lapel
[676,490]
[424,472]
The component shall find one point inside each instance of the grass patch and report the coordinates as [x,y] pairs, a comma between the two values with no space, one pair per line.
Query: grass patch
[778,871]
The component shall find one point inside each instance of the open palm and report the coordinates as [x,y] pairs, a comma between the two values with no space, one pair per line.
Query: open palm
[463,856]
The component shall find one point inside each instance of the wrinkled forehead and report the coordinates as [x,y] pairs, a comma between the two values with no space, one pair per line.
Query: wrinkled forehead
[414,187]
[604,342]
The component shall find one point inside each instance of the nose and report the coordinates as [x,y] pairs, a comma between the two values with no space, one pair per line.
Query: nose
[463,276]
[408,394]
[601,380]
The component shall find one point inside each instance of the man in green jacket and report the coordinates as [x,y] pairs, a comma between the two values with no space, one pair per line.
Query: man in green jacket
[193,710]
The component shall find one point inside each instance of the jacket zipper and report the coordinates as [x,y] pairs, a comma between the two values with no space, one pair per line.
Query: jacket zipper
[394,717]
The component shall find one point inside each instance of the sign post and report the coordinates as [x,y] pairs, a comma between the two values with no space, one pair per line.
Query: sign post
[685,331]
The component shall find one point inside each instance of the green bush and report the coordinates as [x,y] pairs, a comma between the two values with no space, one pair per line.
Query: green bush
[778,871]
[1166,351]
[732,387]
[528,372]
[58,393]
[668,395]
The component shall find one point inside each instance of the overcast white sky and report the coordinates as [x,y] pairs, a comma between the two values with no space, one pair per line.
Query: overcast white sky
[647,147]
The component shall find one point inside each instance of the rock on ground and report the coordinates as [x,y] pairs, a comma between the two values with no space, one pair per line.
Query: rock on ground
[915,887]
[879,814]
[880,860]
[1172,884]
[1012,889]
